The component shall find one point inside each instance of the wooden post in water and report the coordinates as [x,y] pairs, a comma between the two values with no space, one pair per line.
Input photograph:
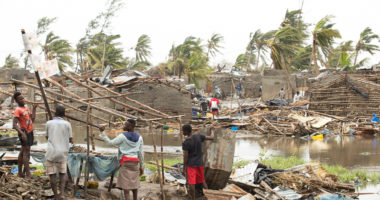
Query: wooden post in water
[86,174]
[162,155]
[156,158]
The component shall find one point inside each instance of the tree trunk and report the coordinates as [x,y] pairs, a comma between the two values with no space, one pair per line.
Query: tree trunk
[104,50]
[258,58]
[249,58]
[316,68]
[290,86]
[356,56]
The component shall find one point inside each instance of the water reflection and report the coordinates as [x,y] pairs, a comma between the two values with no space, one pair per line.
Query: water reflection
[349,151]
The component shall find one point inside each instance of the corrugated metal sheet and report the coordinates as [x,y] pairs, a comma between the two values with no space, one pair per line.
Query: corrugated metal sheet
[247,197]
[245,174]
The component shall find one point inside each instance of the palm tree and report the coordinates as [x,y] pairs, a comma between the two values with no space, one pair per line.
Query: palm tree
[197,68]
[283,45]
[60,49]
[11,62]
[213,44]
[244,61]
[113,55]
[143,48]
[301,60]
[323,37]
[364,43]
[259,42]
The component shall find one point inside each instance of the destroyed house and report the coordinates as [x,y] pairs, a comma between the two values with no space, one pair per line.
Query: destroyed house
[349,94]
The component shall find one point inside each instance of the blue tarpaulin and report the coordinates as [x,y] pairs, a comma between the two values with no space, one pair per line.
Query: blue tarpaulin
[102,167]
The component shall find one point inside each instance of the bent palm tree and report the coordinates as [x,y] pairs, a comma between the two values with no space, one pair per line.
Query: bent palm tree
[60,49]
[259,42]
[323,37]
[364,43]
[143,48]
[213,44]
[113,54]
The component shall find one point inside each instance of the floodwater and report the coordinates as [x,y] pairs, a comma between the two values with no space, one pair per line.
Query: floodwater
[352,152]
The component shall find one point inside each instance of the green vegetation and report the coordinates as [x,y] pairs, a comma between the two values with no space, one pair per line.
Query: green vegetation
[282,163]
[38,167]
[241,163]
[10,133]
[344,174]
[167,162]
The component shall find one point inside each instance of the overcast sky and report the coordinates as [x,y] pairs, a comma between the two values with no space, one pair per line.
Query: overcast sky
[171,21]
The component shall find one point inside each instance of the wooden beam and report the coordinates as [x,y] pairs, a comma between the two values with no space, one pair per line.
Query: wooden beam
[112,112]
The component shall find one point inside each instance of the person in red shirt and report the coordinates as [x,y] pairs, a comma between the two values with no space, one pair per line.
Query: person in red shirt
[23,124]
[193,166]
[214,105]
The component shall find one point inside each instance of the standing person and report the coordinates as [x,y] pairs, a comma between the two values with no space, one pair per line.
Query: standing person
[260,90]
[59,135]
[24,118]
[296,97]
[238,87]
[130,154]
[282,93]
[204,106]
[218,92]
[193,167]
[214,105]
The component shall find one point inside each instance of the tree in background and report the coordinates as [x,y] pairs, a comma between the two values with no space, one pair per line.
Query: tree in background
[283,45]
[323,39]
[113,55]
[55,47]
[364,43]
[11,62]
[245,60]
[97,27]
[341,56]
[198,68]
[143,48]
[213,45]
[258,42]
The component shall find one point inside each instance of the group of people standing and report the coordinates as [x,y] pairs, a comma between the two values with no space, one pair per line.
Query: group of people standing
[130,147]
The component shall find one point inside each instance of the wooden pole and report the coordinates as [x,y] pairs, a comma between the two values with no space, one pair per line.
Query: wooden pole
[274,126]
[89,95]
[111,182]
[156,158]
[162,155]
[88,151]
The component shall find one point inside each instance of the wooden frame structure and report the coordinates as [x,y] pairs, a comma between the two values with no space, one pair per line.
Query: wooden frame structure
[160,118]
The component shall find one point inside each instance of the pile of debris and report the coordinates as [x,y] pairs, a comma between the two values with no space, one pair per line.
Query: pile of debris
[14,187]
[257,181]
[289,120]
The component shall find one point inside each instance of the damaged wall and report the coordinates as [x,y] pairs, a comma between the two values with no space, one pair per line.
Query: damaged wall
[163,98]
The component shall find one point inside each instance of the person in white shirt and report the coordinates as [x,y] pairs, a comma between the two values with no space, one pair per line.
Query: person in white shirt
[59,135]
[296,97]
